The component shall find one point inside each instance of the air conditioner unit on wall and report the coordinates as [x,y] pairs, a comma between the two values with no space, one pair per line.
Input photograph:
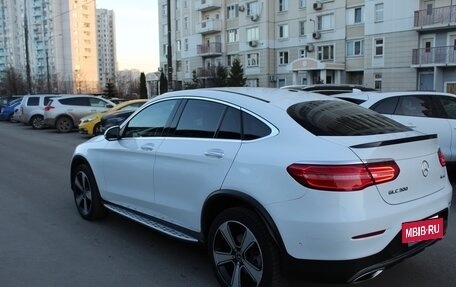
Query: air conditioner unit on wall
[316,35]
[318,6]
[254,17]
[253,43]
[241,8]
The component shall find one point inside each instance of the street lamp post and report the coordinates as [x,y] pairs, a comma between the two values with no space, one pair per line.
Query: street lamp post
[169,50]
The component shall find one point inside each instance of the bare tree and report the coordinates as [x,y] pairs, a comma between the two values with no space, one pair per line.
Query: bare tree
[12,82]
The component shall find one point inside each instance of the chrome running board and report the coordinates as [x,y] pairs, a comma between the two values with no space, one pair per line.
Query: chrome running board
[150,222]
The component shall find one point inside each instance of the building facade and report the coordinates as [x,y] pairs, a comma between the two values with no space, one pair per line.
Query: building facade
[106,43]
[51,43]
[384,44]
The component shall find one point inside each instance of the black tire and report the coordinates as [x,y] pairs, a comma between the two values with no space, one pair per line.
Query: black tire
[96,129]
[256,261]
[37,122]
[64,124]
[10,118]
[86,195]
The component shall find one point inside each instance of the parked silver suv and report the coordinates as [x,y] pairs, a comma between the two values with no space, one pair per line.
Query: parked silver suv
[31,109]
[65,112]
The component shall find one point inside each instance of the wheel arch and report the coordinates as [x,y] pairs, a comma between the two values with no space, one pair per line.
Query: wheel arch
[224,199]
[75,162]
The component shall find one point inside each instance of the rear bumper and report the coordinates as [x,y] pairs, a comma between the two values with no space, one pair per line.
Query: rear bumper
[356,270]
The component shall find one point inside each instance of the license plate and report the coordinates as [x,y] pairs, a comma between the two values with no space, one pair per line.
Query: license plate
[413,232]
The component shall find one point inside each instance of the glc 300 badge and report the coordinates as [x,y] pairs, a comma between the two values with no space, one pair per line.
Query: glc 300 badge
[397,190]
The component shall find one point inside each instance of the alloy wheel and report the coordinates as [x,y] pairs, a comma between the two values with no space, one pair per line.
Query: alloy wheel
[237,255]
[83,193]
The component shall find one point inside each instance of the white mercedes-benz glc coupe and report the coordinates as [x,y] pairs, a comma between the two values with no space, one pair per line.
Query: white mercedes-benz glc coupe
[271,181]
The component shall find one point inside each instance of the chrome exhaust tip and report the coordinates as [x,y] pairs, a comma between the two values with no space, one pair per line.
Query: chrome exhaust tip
[368,276]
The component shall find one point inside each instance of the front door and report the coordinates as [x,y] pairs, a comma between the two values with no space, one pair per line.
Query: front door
[426,55]
[426,82]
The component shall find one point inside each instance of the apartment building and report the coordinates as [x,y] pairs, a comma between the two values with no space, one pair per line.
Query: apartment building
[106,43]
[50,42]
[385,44]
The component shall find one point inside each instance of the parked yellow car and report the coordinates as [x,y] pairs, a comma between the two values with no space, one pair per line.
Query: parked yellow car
[90,124]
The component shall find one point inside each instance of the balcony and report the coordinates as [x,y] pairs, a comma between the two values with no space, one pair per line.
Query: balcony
[435,56]
[436,18]
[208,5]
[209,26]
[210,50]
[202,72]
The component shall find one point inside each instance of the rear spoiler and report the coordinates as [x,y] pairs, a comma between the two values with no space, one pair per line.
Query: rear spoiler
[396,141]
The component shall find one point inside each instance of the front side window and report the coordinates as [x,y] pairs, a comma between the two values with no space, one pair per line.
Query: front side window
[151,121]
[355,48]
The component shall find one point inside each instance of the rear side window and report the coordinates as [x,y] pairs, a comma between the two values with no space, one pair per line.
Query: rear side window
[33,101]
[94,102]
[46,100]
[253,128]
[341,118]
[230,128]
[417,106]
[76,101]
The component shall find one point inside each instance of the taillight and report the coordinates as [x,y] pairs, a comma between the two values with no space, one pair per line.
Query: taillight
[350,177]
[48,108]
[441,158]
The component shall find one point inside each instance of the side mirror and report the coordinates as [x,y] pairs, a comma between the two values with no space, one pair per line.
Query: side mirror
[112,133]
[109,106]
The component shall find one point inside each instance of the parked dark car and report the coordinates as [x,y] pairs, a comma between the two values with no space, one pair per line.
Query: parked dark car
[114,119]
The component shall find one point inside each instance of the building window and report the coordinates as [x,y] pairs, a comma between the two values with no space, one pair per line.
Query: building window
[379,9]
[355,48]
[283,58]
[302,4]
[165,29]
[378,47]
[252,83]
[302,28]
[283,31]
[253,34]
[281,82]
[283,5]
[252,60]
[232,36]
[232,11]
[230,59]
[164,10]
[252,8]
[178,45]
[302,53]
[185,23]
[378,81]
[326,53]
[187,66]
[325,22]
[186,44]
[355,15]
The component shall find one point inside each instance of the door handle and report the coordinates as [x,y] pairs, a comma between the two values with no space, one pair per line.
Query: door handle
[410,125]
[215,153]
[148,147]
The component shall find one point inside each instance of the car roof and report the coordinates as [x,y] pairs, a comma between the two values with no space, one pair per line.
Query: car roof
[248,96]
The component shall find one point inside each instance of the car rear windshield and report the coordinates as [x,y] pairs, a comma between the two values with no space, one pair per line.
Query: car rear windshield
[340,118]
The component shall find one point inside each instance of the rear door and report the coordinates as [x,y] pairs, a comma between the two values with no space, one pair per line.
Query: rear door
[449,110]
[193,161]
